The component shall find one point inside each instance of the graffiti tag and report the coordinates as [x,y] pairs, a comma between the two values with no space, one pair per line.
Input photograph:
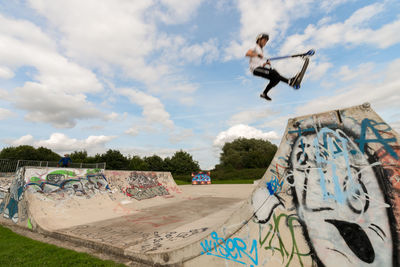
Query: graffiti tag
[233,249]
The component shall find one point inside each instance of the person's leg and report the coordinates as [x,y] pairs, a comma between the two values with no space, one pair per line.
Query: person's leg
[270,74]
[273,76]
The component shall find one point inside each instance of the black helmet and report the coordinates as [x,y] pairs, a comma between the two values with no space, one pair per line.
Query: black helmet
[261,36]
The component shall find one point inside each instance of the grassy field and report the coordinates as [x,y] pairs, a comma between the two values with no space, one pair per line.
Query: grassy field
[236,181]
[226,176]
[17,250]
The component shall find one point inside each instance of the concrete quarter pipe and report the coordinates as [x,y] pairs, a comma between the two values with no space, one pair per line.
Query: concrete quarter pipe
[331,197]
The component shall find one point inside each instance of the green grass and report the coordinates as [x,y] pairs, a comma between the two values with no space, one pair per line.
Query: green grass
[226,176]
[180,182]
[17,250]
[235,181]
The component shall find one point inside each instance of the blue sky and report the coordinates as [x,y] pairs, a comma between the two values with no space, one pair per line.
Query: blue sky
[157,76]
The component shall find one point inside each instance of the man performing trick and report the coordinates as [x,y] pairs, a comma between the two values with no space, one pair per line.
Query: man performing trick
[262,67]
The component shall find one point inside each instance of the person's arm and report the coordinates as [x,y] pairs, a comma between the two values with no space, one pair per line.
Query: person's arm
[252,53]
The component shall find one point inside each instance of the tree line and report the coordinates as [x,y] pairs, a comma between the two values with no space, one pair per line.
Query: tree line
[239,154]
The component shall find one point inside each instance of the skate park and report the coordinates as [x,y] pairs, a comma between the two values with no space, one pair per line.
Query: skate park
[330,197]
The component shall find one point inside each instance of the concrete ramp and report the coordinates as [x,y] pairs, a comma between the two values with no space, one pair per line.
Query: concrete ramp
[331,197]
[115,211]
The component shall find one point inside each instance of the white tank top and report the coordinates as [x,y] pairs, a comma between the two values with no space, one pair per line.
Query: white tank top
[256,62]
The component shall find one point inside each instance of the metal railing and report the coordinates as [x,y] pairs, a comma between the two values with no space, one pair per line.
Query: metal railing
[8,166]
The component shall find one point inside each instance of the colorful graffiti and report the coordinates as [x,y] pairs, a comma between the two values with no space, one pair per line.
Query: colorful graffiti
[231,249]
[67,182]
[342,182]
[9,205]
[201,178]
[274,185]
[275,242]
[144,185]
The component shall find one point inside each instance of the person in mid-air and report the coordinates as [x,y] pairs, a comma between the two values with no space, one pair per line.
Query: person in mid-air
[262,67]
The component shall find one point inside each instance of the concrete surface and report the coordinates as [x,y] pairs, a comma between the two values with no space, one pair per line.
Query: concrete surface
[331,197]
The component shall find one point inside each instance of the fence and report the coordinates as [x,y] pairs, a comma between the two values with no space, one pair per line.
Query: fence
[9,166]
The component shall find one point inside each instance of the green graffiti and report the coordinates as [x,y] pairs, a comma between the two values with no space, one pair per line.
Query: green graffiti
[34,179]
[29,224]
[93,171]
[287,253]
[64,172]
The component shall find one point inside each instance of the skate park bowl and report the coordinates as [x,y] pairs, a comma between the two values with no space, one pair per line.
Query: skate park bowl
[330,197]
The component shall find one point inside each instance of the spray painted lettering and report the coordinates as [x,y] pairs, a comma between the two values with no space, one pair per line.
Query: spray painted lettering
[371,124]
[274,186]
[274,241]
[233,249]
[142,186]
[64,181]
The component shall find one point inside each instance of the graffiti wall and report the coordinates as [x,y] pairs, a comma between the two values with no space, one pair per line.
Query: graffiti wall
[331,197]
[10,199]
[143,185]
[60,183]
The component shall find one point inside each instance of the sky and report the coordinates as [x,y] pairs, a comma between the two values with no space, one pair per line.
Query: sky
[158,76]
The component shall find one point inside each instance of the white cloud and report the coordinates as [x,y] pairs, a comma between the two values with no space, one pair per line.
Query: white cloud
[23,140]
[244,131]
[112,116]
[353,31]
[123,38]
[250,116]
[147,151]
[207,51]
[363,70]
[153,109]
[95,128]
[177,11]
[329,5]
[61,143]
[6,73]
[382,94]
[134,131]
[273,16]
[4,94]
[180,135]
[5,114]
[58,108]
[24,44]
[318,69]
[95,31]
[56,93]
[278,122]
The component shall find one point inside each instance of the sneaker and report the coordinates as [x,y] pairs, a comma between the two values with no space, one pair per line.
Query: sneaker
[265,97]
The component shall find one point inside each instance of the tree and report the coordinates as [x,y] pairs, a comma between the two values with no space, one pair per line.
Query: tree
[79,156]
[47,154]
[155,163]
[137,164]
[182,163]
[247,153]
[114,160]
[26,152]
